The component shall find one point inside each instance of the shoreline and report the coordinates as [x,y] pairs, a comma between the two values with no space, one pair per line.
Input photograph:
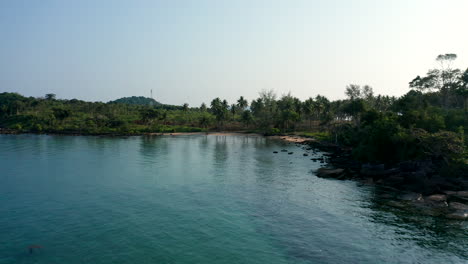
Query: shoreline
[215,133]
[412,188]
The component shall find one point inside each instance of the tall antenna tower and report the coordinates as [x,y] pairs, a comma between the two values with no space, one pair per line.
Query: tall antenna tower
[151,94]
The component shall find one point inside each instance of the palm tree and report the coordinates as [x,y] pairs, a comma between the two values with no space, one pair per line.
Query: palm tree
[308,109]
[242,103]
[185,107]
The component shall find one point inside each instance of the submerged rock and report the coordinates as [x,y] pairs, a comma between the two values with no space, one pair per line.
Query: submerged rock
[275,151]
[290,153]
[458,206]
[450,192]
[396,204]
[437,198]
[305,154]
[284,150]
[411,197]
[330,173]
[394,180]
[458,215]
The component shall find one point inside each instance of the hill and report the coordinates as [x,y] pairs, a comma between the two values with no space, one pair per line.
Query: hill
[136,100]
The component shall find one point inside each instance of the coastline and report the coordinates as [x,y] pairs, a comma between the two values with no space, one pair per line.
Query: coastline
[215,133]
[411,183]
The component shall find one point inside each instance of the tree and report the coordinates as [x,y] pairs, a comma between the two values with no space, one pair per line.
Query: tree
[185,107]
[60,113]
[203,107]
[233,109]
[148,115]
[308,109]
[355,108]
[242,103]
[219,109]
[353,91]
[247,118]
[321,105]
[265,109]
[50,96]
[463,89]
[445,79]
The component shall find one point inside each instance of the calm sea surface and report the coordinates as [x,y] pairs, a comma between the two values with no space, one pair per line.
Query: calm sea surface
[199,199]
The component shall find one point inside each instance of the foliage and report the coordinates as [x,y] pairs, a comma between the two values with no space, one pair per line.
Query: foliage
[136,100]
[430,121]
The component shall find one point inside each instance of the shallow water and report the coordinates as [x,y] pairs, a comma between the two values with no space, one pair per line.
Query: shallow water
[199,199]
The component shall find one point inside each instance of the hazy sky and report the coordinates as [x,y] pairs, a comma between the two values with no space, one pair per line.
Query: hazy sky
[193,51]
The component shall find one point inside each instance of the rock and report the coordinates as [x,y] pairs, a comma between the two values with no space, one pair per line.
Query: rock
[377,170]
[305,154]
[437,204]
[449,193]
[431,212]
[394,180]
[386,196]
[408,166]
[437,198]
[411,197]
[369,166]
[275,151]
[330,173]
[458,206]
[396,204]
[458,215]
[289,153]
[284,150]
[463,194]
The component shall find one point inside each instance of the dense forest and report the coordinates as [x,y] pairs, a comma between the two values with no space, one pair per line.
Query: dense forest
[428,121]
[136,100]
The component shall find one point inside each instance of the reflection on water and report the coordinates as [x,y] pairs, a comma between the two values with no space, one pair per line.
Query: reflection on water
[199,199]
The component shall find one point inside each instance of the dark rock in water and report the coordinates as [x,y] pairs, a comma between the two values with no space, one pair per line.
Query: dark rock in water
[313,159]
[377,167]
[322,161]
[290,153]
[305,154]
[408,166]
[330,173]
[394,180]
[437,198]
[411,197]
[458,215]
[458,206]
[449,192]
[396,204]
[284,150]
[275,151]
[386,196]
[436,204]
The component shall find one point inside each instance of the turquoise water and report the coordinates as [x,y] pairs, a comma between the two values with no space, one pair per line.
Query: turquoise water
[198,199]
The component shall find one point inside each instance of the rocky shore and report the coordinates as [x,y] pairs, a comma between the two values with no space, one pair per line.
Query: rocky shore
[413,185]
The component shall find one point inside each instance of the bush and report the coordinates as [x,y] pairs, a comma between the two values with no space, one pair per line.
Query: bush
[272,131]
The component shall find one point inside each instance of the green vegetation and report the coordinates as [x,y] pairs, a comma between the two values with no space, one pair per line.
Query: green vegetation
[430,121]
[136,100]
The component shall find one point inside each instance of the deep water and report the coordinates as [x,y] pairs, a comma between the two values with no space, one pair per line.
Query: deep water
[199,199]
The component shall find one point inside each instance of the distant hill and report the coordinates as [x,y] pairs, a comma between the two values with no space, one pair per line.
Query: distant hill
[136,100]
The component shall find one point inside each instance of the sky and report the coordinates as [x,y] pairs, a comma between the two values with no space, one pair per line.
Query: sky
[194,51]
